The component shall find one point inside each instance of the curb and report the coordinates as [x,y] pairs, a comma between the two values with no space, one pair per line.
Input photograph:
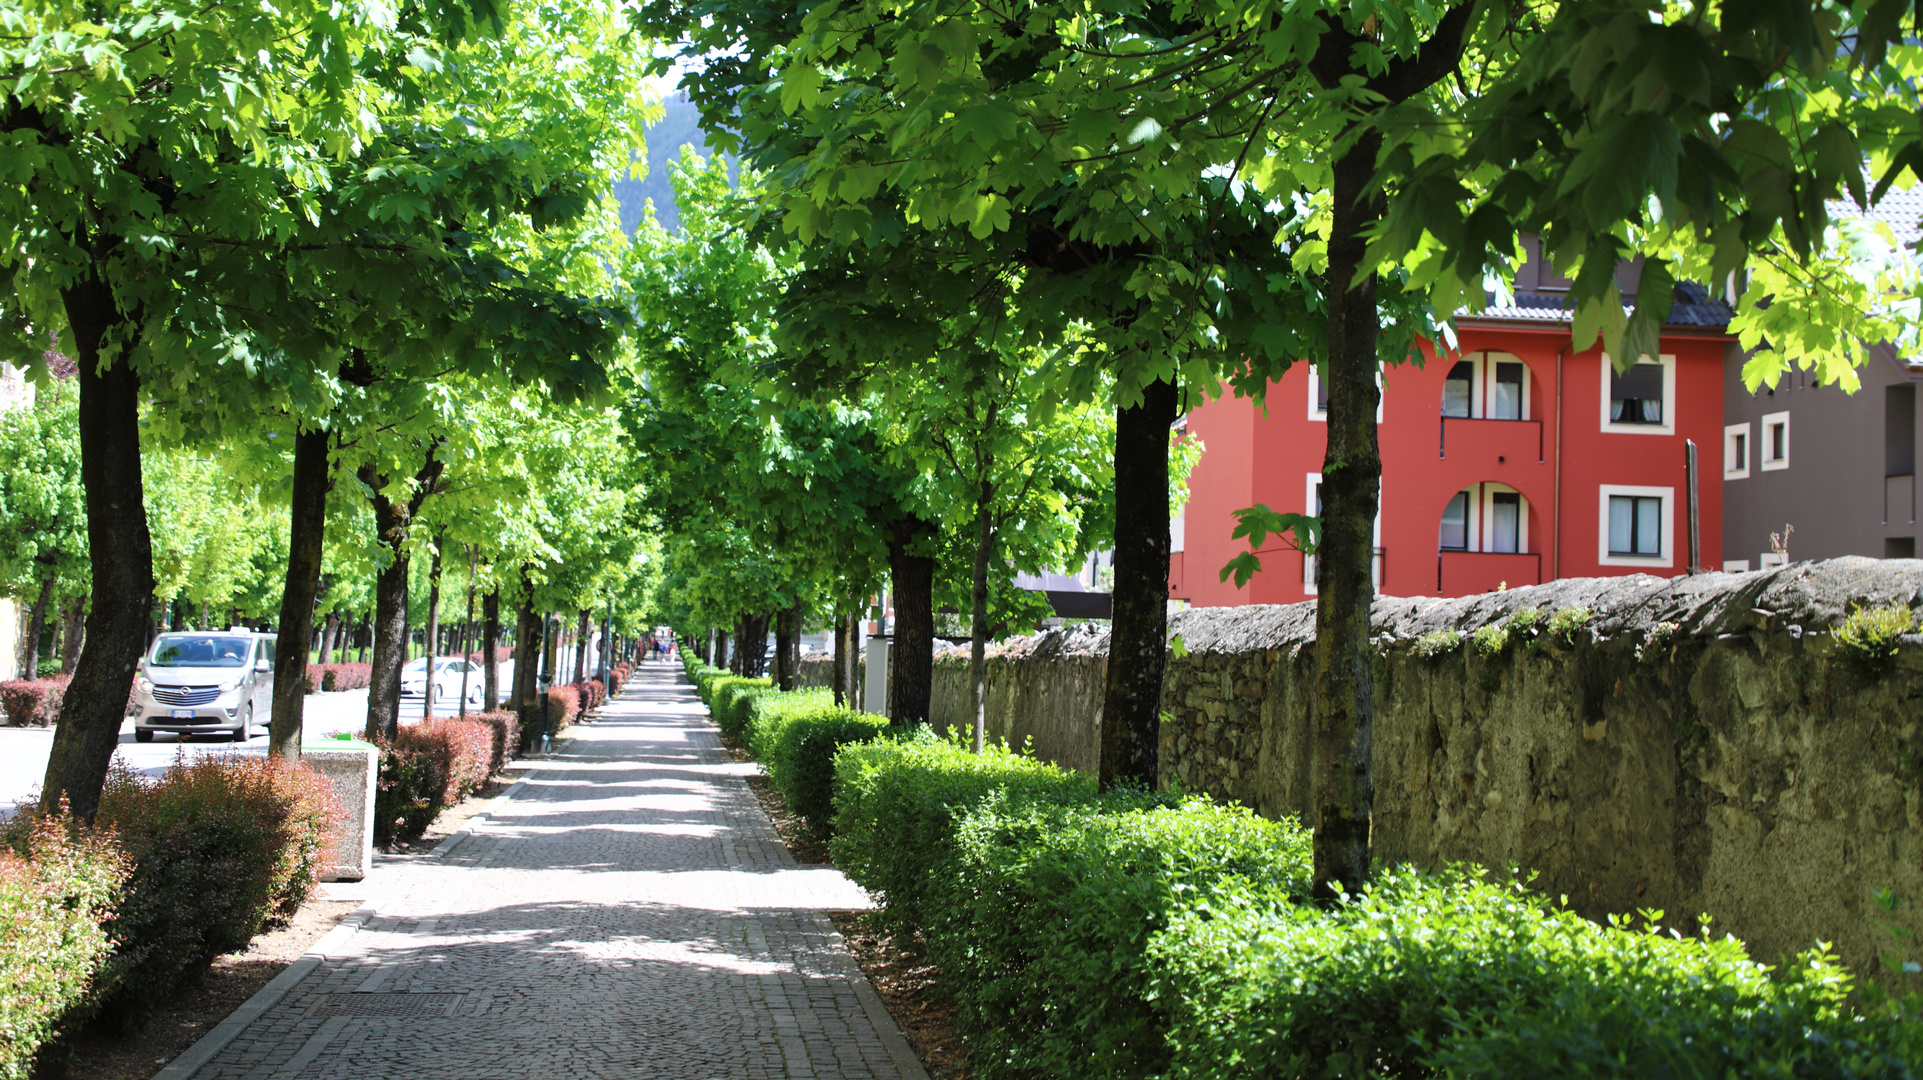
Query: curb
[212,1043]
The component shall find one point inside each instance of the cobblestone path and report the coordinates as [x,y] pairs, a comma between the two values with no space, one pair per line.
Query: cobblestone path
[629,913]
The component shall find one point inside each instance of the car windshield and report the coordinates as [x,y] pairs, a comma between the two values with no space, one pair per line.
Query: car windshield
[199,650]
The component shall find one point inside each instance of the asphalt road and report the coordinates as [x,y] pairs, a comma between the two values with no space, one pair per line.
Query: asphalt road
[23,751]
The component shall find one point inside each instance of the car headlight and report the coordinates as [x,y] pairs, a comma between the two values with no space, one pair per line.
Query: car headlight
[144,685]
[230,685]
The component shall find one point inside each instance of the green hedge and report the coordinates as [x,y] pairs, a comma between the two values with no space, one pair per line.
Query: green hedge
[899,804]
[764,716]
[797,736]
[56,892]
[730,703]
[1453,975]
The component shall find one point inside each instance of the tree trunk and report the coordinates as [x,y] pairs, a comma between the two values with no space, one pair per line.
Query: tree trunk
[978,615]
[840,682]
[912,654]
[1138,635]
[856,691]
[720,648]
[330,630]
[36,625]
[431,636]
[583,624]
[306,538]
[72,638]
[784,672]
[1344,701]
[467,632]
[390,614]
[527,659]
[553,634]
[490,651]
[120,553]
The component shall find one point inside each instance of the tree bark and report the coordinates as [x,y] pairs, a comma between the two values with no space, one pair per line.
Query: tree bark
[390,646]
[120,554]
[784,673]
[490,651]
[720,648]
[72,637]
[330,633]
[36,625]
[432,634]
[912,654]
[467,632]
[306,539]
[978,613]
[584,623]
[1138,634]
[527,659]
[840,682]
[1344,689]
[752,645]
[553,635]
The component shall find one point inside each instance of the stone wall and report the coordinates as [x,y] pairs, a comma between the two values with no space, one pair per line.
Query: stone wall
[1044,692]
[1700,745]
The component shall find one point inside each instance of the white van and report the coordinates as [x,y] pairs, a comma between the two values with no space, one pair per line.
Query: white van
[205,682]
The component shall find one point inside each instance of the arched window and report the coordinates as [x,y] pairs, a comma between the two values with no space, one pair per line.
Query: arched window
[1486,517]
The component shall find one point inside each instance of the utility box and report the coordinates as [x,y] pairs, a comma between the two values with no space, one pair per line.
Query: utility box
[351,766]
[874,690]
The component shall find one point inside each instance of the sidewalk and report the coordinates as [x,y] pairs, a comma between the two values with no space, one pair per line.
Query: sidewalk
[629,912]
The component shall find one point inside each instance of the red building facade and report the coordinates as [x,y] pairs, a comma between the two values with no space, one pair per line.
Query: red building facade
[1514,460]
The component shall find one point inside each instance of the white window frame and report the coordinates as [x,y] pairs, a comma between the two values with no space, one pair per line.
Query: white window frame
[1486,377]
[1733,469]
[1668,426]
[1735,566]
[1486,492]
[1668,556]
[1310,482]
[1765,462]
[1321,416]
[1178,530]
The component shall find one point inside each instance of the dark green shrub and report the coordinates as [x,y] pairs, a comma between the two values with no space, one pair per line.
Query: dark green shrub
[801,762]
[1453,975]
[729,704]
[220,847]
[899,804]
[56,892]
[1045,939]
[766,714]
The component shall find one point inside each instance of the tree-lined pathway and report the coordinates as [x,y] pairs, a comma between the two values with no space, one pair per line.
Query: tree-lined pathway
[631,912]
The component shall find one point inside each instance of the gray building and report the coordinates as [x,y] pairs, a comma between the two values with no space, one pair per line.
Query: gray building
[1829,473]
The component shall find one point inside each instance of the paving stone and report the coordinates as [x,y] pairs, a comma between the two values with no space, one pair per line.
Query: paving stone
[631,913]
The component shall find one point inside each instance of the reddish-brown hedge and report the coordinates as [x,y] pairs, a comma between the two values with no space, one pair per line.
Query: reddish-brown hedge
[33,702]
[336,677]
[427,768]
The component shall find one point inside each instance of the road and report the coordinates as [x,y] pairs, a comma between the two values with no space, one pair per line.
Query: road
[23,751]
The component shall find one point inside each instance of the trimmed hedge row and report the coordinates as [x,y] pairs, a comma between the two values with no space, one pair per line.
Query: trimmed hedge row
[174,871]
[33,702]
[432,765]
[56,894]
[337,677]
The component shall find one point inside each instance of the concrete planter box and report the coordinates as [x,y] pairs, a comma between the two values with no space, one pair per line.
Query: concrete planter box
[351,765]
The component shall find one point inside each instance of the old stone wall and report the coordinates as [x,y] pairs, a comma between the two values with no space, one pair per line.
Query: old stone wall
[1696,745]
[1044,692]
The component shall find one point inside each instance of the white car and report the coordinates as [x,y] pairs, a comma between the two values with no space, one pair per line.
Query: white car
[213,682]
[447,680]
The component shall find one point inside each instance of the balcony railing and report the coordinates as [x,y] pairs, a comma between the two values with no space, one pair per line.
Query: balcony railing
[1473,436]
[1466,573]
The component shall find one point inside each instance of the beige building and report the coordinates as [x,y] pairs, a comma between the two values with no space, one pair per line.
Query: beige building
[15,390]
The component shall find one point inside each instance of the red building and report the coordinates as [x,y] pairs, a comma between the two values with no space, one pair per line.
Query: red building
[1513,460]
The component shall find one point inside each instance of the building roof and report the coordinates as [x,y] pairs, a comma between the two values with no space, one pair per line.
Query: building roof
[1693,307]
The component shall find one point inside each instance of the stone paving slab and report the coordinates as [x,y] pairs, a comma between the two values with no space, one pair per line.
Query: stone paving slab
[631,912]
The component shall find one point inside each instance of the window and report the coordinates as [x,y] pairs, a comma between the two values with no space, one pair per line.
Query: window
[1776,441]
[1642,399]
[1319,394]
[1506,402]
[1636,395]
[1736,451]
[1899,430]
[1455,524]
[1899,547]
[1505,521]
[1457,388]
[1312,497]
[1637,526]
[1735,566]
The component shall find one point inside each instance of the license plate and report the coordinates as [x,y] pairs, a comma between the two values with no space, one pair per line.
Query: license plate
[183,714]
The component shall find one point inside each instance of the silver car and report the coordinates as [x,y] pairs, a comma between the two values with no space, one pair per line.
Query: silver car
[205,682]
